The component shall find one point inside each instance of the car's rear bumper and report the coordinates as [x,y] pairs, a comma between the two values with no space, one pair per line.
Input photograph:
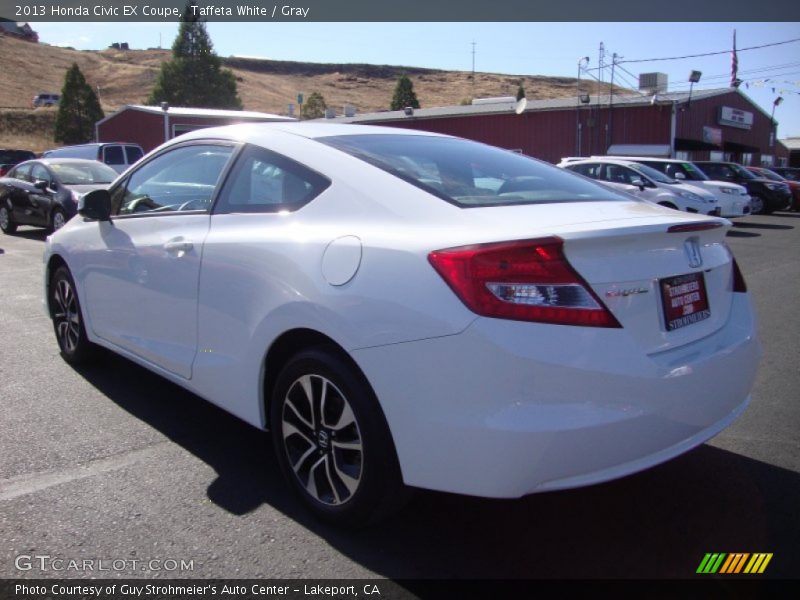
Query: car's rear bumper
[506,408]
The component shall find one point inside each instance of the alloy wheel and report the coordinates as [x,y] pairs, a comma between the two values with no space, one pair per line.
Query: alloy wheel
[4,218]
[322,440]
[66,316]
[58,220]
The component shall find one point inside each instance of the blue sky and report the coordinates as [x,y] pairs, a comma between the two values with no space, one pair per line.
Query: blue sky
[514,48]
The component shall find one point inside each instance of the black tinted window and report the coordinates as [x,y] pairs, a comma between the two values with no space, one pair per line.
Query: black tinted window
[467,173]
[263,181]
[134,153]
[112,155]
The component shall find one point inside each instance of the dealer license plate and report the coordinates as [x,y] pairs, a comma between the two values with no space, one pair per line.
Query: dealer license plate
[685,300]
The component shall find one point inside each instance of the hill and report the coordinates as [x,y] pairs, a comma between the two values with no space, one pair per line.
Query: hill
[126,77]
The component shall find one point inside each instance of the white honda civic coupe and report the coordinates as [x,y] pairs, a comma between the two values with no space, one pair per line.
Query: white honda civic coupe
[404,309]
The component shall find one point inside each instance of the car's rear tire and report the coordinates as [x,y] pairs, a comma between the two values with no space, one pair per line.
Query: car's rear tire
[332,441]
[57,219]
[65,311]
[6,224]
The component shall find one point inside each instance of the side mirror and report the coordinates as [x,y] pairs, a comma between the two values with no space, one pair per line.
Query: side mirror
[680,175]
[638,183]
[40,184]
[96,205]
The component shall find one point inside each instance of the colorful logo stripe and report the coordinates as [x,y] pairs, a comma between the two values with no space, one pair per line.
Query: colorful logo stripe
[734,563]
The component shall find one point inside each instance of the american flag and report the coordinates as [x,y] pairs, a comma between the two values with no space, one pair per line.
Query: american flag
[734,64]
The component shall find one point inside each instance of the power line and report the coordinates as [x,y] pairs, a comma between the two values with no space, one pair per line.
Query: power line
[711,53]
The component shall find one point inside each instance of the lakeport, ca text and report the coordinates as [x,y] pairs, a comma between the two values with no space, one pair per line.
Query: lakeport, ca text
[164,12]
[222,590]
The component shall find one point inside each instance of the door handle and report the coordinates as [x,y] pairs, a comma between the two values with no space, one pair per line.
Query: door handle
[178,247]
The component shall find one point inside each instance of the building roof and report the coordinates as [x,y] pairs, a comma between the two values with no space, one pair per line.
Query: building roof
[202,113]
[569,102]
[792,143]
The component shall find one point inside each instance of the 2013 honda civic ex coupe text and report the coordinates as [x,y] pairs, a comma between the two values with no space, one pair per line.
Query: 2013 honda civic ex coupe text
[409,309]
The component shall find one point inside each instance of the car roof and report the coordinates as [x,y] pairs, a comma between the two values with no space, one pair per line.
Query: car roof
[599,159]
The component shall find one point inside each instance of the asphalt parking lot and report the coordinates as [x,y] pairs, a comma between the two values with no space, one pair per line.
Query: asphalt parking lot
[111,462]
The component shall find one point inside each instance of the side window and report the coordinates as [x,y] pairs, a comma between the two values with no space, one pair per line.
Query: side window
[134,153]
[263,181]
[23,173]
[40,172]
[179,180]
[619,174]
[112,155]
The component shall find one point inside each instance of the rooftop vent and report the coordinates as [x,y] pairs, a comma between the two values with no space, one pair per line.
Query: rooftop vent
[653,83]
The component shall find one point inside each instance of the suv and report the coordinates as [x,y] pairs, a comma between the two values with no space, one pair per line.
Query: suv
[645,183]
[9,158]
[117,155]
[46,100]
[765,196]
[733,199]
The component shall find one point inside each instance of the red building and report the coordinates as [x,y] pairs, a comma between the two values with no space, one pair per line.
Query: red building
[150,126]
[714,124]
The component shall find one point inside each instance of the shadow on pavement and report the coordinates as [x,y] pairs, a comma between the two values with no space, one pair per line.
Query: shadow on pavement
[739,224]
[742,234]
[659,523]
[31,234]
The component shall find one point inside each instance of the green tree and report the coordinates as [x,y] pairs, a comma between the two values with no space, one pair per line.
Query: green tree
[404,94]
[520,92]
[314,107]
[78,110]
[195,77]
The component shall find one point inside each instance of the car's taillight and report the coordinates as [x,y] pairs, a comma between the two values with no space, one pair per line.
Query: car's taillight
[526,280]
[738,279]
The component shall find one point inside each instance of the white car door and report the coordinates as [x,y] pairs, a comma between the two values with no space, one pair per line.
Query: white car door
[141,277]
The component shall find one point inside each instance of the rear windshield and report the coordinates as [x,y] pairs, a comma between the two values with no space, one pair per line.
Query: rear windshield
[469,174]
[83,174]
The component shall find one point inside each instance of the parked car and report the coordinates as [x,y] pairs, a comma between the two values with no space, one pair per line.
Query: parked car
[45,99]
[9,158]
[794,186]
[393,323]
[45,192]
[732,199]
[765,196]
[645,182]
[118,156]
[790,173]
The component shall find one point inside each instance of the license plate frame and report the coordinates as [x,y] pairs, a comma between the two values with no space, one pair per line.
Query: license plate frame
[684,300]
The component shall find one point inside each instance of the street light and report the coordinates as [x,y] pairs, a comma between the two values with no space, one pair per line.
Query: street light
[694,77]
[777,102]
[774,132]
[581,66]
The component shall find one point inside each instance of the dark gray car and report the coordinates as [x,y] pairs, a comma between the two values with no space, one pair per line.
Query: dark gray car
[45,192]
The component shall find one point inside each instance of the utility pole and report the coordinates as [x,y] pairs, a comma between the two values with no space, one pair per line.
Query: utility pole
[473,69]
[614,58]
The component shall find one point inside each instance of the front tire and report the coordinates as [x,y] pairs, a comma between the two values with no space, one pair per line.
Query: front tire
[57,219]
[6,224]
[332,441]
[65,311]
[757,205]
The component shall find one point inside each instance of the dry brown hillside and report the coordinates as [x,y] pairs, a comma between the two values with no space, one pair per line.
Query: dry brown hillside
[126,77]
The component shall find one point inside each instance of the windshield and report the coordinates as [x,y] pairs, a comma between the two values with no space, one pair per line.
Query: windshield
[83,174]
[767,174]
[653,174]
[742,172]
[693,173]
[469,174]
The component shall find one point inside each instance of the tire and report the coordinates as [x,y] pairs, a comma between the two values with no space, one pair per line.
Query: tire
[332,441]
[6,224]
[757,206]
[57,220]
[65,311]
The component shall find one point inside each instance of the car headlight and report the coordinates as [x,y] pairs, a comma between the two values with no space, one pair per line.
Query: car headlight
[695,197]
[773,186]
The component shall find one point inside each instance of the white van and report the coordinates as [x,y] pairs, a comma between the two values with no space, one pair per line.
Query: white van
[117,155]
[646,183]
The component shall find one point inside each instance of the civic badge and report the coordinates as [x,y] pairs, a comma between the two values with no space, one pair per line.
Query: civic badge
[692,249]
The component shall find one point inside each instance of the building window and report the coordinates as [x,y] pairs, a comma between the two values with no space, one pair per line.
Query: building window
[683,155]
[717,156]
[767,160]
[747,159]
